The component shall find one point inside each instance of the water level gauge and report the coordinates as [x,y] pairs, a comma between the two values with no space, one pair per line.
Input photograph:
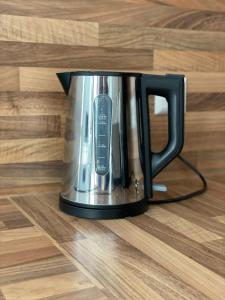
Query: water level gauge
[102,127]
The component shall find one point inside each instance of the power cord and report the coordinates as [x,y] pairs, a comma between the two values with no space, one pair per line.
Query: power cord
[186,196]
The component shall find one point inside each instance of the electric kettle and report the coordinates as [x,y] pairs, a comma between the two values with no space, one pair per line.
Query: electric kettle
[109,165]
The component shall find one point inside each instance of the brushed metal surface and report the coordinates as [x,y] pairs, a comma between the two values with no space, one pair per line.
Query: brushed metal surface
[123,181]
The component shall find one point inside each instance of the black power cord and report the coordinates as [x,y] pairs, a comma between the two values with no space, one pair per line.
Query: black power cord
[186,196]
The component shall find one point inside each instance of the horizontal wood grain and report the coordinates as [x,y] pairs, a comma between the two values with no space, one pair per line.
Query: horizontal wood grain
[196,61]
[24,244]
[207,5]
[191,19]
[198,102]
[200,82]
[36,79]
[31,150]
[40,79]
[41,268]
[44,30]
[25,127]
[194,141]
[207,137]
[44,79]
[211,160]
[13,259]
[15,220]
[31,103]
[145,13]
[30,173]
[160,38]
[90,293]
[29,188]
[9,78]
[11,218]
[79,10]
[184,173]
[19,233]
[53,285]
[66,56]
[205,82]
[210,122]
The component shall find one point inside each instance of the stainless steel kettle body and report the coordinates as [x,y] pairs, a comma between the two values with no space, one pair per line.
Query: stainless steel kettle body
[108,161]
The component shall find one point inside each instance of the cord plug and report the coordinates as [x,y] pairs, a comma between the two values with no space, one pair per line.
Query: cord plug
[158,187]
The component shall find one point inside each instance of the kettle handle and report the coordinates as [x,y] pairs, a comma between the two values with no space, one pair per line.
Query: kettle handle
[172,87]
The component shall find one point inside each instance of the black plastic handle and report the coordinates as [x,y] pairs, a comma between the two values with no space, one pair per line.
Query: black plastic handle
[172,87]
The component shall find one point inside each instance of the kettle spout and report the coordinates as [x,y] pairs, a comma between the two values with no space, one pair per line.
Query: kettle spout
[64,79]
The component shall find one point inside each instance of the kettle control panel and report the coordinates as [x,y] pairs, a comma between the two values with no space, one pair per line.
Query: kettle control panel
[102,130]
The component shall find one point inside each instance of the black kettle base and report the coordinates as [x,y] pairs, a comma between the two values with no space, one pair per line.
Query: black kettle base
[103,211]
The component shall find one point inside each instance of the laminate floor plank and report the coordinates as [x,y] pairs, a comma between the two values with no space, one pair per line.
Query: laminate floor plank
[220,219]
[184,244]
[181,225]
[89,293]
[32,266]
[46,286]
[30,174]
[46,218]
[91,230]
[171,252]
[126,272]
[196,218]
[2,296]
[188,270]
[11,217]
[35,269]
[30,189]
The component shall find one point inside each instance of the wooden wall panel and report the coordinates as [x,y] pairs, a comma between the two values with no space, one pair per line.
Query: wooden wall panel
[166,36]
[40,79]
[30,103]
[162,38]
[25,127]
[205,102]
[51,31]
[44,79]
[205,5]
[179,14]
[208,82]
[31,150]
[195,61]
[209,122]
[61,56]
[23,174]
[9,79]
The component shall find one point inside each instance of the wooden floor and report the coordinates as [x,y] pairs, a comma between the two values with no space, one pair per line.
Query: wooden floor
[174,251]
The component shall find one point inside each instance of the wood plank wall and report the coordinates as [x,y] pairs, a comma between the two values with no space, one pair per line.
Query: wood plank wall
[39,38]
